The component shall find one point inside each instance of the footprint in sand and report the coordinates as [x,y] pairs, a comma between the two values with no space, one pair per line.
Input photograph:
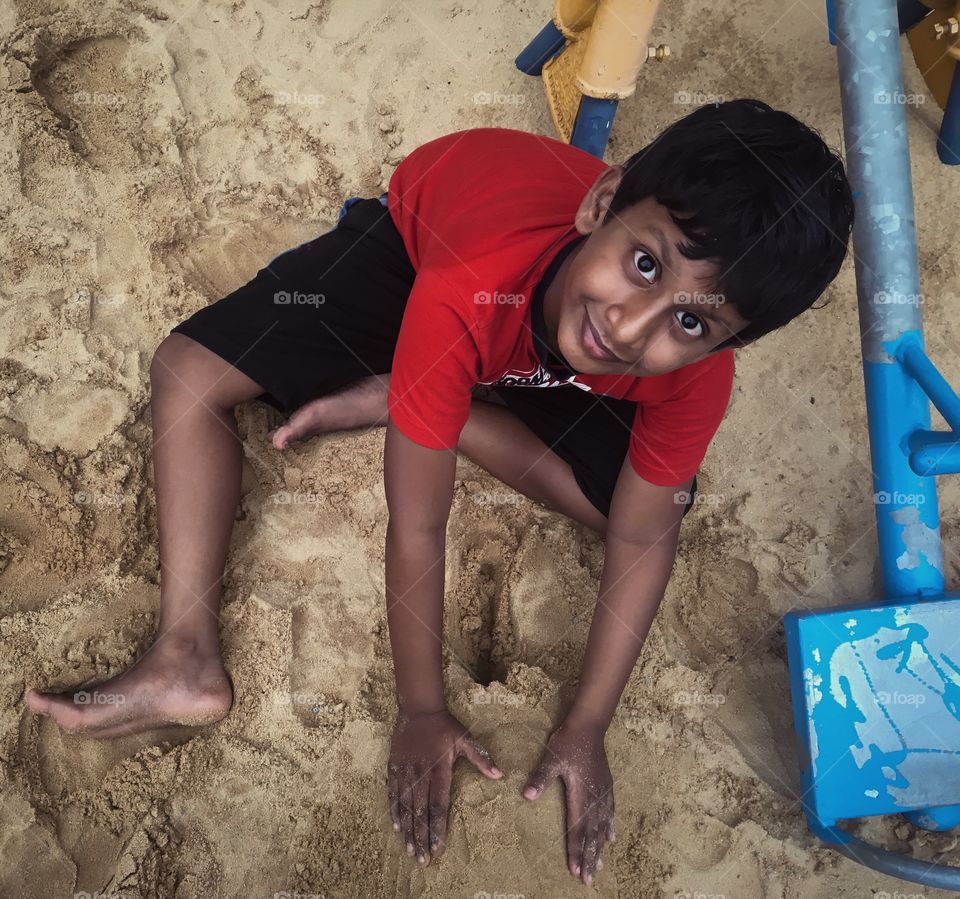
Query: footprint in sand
[91,88]
[717,615]
[478,627]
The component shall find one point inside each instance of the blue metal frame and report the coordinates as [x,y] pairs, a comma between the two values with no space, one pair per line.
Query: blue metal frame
[948,139]
[875,687]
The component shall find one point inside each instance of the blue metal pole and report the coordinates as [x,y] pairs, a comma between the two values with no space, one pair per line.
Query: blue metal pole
[919,366]
[885,251]
[936,458]
[948,140]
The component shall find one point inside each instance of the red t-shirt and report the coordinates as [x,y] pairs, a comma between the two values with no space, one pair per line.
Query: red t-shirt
[482,213]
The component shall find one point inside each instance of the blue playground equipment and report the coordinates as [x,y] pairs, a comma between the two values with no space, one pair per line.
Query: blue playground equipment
[875,687]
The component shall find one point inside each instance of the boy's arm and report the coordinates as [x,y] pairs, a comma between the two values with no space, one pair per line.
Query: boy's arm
[419,488]
[641,546]
[427,739]
[641,541]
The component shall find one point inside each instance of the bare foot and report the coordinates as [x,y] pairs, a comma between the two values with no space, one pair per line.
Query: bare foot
[168,686]
[361,404]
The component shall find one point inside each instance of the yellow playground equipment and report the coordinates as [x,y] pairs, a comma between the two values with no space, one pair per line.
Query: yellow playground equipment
[589,56]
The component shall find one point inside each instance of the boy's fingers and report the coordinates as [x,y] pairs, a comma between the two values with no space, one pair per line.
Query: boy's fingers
[393,796]
[479,756]
[406,810]
[575,829]
[542,776]
[591,848]
[574,846]
[421,822]
[439,808]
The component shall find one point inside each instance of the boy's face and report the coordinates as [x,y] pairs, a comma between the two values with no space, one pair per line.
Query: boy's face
[629,288]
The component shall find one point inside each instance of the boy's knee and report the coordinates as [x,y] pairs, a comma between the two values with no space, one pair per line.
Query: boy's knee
[167,367]
[183,367]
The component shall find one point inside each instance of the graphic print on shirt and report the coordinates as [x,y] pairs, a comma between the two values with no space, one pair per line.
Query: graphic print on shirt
[539,377]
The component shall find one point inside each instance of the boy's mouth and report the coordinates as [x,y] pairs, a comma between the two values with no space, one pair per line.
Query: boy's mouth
[593,343]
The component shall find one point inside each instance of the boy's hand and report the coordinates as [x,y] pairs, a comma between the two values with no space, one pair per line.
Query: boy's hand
[422,754]
[577,755]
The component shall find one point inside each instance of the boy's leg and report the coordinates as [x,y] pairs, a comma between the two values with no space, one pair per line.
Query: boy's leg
[197,457]
[360,404]
[493,437]
[503,445]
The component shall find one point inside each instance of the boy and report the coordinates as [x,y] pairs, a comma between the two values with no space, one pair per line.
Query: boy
[599,304]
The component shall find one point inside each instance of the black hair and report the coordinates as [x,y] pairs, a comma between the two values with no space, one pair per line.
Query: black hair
[757,191]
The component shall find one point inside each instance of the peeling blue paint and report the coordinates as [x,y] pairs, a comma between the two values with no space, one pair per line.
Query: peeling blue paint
[921,543]
[882,720]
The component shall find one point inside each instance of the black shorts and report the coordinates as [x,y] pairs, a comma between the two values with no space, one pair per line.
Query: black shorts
[590,432]
[327,313]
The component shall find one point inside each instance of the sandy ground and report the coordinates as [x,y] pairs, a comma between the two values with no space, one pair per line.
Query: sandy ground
[146,169]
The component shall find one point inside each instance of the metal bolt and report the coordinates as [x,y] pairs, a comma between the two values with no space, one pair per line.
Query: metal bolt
[659,52]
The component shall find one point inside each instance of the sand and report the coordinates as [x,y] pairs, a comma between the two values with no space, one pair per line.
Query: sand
[146,169]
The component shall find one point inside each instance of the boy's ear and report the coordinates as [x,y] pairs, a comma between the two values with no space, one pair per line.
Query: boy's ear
[594,206]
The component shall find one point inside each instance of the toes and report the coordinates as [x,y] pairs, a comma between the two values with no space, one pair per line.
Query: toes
[61,709]
[300,425]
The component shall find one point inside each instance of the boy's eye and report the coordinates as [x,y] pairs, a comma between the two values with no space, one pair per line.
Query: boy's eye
[689,320]
[645,264]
